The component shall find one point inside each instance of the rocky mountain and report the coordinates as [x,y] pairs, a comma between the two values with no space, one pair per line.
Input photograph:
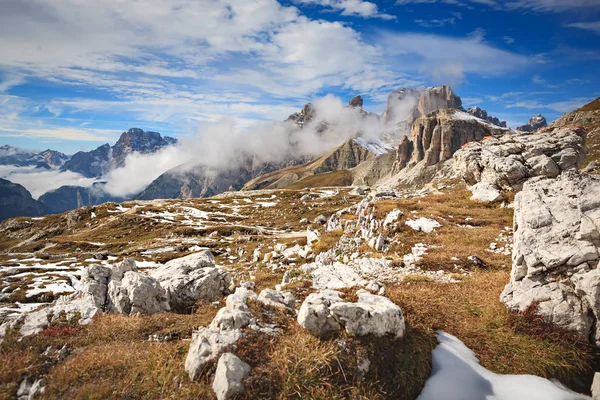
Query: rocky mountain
[482,114]
[10,155]
[588,117]
[407,105]
[99,161]
[16,201]
[536,122]
[433,141]
[70,197]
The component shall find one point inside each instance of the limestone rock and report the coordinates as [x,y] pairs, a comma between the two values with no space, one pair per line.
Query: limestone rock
[137,293]
[274,298]
[207,343]
[314,313]
[506,162]
[556,252]
[229,375]
[371,314]
[312,236]
[485,192]
[596,387]
[192,278]
[392,217]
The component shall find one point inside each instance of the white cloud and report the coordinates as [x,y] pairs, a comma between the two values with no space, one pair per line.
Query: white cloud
[533,5]
[559,106]
[588,26]
[359,8]
[62,133]
[508,39]
[435,23]
[39,182]
[448,59]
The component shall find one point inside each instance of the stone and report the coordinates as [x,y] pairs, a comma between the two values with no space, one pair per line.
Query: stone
[485,193]
[312,236]
[321,219]
[206,344]
[229,375]
[192,278]
[392,217]
[29,391]
[274,298]
[506,162]
[426,225]
[370,315]
[375,287]
[334,276]
[379,244]
[136,293]
[314,313]
[236,313]
[556,252]
[358,191]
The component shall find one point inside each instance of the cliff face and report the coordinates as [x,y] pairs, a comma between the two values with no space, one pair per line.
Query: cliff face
[407,105]
[433,141]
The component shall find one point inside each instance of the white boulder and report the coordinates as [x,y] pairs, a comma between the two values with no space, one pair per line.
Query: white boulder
[426,225]
[314,314]
[229,375]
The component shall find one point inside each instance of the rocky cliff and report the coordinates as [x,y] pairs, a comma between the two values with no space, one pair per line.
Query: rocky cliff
[406,105]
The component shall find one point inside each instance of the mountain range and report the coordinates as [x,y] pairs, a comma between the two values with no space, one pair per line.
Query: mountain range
[418,133]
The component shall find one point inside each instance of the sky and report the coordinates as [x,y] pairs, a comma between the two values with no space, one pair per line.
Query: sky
[76,74]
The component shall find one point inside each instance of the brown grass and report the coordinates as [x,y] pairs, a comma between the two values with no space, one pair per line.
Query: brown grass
[335,178]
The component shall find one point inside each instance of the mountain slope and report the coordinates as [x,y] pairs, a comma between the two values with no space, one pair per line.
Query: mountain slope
[70,197]
[587,116]
[16,201]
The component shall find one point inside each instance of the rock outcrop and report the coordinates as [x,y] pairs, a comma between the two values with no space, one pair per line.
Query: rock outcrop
[120,289]
[506,162]
[190,279]
[556,252]
[536,123]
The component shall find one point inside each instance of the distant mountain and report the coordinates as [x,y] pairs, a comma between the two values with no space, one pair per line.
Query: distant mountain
[16,201]
[536,122]
[10,155]
[70,197]
[482,114]
[95,163]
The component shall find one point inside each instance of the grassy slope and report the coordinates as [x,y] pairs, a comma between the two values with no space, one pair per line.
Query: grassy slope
[113,359]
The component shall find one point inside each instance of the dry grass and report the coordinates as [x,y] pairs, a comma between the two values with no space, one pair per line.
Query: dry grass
[327,241]
[335,178]
[471,311]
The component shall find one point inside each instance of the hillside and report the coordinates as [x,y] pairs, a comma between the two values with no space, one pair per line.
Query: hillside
[587,116]
[16,201]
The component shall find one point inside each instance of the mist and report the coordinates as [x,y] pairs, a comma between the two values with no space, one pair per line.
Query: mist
[224,146]
[39,182]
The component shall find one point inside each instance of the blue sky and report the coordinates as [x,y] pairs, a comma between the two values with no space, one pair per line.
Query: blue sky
[74,75]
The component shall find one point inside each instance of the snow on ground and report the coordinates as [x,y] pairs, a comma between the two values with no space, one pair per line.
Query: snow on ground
[457,375]
[375,146]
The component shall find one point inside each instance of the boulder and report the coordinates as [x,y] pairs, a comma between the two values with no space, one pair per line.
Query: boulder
[485,193]
[136,293]
[392,217]
[370,315]
[506,162]
[556,252]
[312,236]
[192,278]
[314,313]
[274,298]
[321,219]
[229,375]
[206,345]
[426,225]
[596,386]
[334,276]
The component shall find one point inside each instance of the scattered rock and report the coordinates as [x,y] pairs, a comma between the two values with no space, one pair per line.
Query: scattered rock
[596,387]
[192,278]
[28,391]
[375,287]
[591,167]
[392,217]
[229,375]
[556,252]
[312,236]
